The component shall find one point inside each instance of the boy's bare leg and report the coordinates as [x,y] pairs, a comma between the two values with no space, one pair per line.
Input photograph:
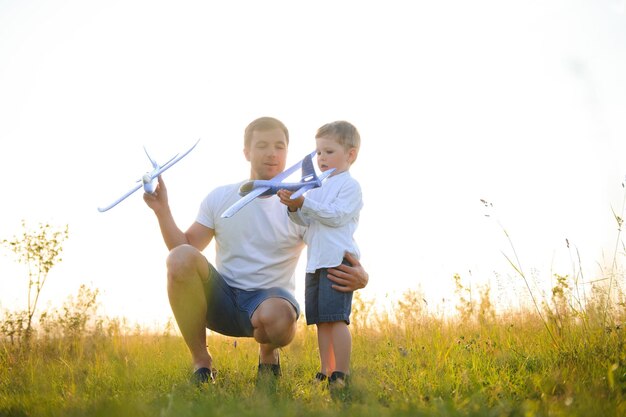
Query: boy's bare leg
[186,268]
[325,344]
[342,345]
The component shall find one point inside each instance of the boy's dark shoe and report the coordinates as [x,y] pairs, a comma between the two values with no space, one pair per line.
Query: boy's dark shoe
[339,386]
[320,377]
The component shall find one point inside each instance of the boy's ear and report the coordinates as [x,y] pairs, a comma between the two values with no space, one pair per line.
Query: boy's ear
[246,153]
[352,155]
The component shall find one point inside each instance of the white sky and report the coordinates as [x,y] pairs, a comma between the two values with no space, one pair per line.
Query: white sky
[519,103]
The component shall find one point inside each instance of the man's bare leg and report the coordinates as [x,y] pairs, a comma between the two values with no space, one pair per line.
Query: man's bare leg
[186,268]
[274,323]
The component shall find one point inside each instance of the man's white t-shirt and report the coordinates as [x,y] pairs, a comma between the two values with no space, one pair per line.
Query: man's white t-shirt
[257,248]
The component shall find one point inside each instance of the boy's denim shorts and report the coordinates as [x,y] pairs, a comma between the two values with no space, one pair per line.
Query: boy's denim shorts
[229,310]
[323,304]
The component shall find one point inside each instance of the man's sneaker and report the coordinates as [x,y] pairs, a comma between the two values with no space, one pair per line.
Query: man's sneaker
[267,377]
[203,376]
[269,369]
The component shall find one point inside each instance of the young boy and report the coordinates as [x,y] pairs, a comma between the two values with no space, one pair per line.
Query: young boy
[331,214]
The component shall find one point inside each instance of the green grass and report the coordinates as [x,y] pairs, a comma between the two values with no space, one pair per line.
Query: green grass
[410,364]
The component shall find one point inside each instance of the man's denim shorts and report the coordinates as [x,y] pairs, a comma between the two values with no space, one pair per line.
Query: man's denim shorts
[322,303]
[229,310]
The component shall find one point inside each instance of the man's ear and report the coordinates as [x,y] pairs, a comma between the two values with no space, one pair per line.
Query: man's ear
[246,153]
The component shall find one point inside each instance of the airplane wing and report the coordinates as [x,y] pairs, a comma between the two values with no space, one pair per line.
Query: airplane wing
[291,169]
[307,187]
[162,169]
[119,200]
[302,190]
[326,174]
[260,190]
[172,161]
[230,211]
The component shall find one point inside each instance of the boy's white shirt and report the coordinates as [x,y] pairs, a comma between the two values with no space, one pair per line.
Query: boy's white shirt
[259,247]
[331,215]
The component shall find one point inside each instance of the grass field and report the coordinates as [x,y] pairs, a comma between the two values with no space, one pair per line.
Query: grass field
[407,363]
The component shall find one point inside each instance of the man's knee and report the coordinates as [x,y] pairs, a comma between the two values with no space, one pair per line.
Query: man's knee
[182,264]
[276,310]
[275,321]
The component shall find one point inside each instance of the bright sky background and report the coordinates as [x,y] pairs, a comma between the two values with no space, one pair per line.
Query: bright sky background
[522,104]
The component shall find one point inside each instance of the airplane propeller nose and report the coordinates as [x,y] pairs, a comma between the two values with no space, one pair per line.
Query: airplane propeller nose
[146,179]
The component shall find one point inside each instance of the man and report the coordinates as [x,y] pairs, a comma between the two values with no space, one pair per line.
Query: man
[250,292]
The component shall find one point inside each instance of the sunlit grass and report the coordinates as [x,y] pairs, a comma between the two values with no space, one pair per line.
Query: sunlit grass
[404,363]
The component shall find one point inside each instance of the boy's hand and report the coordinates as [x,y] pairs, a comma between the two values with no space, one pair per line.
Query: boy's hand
[285,198]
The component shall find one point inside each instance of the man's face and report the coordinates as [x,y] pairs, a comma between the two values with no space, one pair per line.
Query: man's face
[267,154]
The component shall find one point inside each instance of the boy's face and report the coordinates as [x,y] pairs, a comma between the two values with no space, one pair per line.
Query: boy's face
[330,154]
[267,153]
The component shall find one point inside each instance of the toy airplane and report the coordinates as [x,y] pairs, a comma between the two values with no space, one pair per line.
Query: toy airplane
[257,188]
[149,179]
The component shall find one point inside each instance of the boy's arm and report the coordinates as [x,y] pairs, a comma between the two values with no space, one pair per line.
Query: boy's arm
[298,218]
[292,207]
[339,211]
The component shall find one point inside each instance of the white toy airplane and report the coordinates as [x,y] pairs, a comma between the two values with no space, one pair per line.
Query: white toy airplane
[149,179]
[256,188]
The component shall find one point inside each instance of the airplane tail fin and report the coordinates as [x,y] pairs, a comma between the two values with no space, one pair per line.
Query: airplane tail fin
[308,171]
[174,160]
[152,161]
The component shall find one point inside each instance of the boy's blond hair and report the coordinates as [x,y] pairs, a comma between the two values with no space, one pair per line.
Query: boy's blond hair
[343,132]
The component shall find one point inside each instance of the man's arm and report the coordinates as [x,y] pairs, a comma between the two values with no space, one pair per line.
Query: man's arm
[349,278]
[197,235]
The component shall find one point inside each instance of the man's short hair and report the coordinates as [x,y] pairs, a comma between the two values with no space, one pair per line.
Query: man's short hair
[263,124]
